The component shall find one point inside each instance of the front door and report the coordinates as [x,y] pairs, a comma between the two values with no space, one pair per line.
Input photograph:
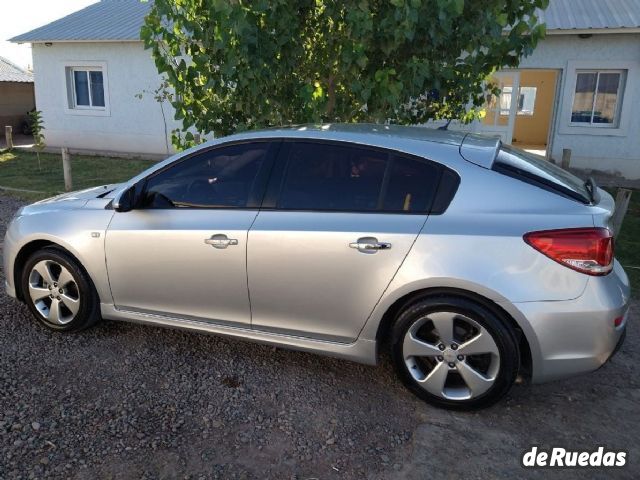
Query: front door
[501,111]
[183,252]
[341,222]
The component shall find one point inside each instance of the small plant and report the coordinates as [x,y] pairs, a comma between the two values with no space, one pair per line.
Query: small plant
[162,95]
[37,128]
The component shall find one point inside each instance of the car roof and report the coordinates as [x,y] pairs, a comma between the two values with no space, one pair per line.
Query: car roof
[478,149]
[473,148]
[358,131]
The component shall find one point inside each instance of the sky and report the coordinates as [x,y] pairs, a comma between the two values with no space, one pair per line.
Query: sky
[21,16]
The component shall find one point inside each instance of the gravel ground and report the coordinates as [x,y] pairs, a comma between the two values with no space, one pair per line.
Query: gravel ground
[127,401]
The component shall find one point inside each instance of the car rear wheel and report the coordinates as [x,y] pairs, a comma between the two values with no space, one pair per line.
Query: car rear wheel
[58,291]
[455,353]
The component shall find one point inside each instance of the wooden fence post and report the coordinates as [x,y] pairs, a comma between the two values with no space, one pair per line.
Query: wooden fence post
[622,205]
[8,133]
[66,169]
[566,158]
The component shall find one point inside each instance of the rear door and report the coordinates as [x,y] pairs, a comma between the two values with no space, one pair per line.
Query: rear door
[336,225]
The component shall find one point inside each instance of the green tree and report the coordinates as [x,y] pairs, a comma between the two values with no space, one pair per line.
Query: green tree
[242,64]
[37,130]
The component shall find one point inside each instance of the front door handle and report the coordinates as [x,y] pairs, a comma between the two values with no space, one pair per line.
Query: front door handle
[369,245]
[220,240]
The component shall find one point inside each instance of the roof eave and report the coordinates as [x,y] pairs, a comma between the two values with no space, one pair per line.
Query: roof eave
[592,31]
[88,40]
[16,81]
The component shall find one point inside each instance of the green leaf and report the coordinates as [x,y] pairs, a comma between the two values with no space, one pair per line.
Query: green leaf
[458,6]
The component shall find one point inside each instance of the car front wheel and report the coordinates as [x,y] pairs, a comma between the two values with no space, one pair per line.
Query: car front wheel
[454,352]
[58,291]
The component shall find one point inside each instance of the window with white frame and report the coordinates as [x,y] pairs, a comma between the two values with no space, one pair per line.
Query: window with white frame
[526,100]
[597,98]
[86,88]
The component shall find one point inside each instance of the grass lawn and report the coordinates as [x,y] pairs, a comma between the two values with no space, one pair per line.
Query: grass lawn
[628,243]
[19,169]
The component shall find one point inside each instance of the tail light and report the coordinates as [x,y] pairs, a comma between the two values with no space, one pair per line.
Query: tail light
[587,250]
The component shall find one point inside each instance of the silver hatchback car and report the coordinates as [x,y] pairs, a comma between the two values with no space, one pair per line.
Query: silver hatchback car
[471,261]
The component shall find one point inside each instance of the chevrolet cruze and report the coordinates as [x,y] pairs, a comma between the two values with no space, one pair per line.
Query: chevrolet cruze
[470,261]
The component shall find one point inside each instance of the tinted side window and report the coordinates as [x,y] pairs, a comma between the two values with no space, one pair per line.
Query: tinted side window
[412,185]
[223,177]
[332,177]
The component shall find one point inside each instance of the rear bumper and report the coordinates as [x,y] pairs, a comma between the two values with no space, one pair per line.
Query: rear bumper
[619,344]
[577,336]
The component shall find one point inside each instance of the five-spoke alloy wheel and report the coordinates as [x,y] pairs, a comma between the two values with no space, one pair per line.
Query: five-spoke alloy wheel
[454,352]
[54,292]
[58,291]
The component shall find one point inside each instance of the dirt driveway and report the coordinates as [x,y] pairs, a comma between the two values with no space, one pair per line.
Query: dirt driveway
[126,401]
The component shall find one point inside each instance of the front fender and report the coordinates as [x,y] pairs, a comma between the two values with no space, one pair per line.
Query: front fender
[80,232]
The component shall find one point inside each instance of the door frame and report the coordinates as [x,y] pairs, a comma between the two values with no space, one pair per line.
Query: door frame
[505,132]
[555,107]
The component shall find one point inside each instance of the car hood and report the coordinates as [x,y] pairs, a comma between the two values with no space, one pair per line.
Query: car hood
[68,201]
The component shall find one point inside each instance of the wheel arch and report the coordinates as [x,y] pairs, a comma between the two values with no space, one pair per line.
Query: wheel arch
[389,317]
[29,249]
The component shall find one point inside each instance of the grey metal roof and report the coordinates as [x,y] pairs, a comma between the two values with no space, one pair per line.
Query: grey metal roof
[12,73]
[107,20]
[121,20]
[591,14]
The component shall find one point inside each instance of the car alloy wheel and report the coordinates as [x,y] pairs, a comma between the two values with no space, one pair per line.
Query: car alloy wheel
[451,355]
[54,292]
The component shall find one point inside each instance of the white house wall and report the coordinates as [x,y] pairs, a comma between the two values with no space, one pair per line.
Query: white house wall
[617,150]
[130,125]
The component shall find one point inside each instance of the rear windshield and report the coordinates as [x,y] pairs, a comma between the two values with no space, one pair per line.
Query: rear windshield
[538,171]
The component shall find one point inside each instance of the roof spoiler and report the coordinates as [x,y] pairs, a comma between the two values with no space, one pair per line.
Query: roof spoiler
[480,149]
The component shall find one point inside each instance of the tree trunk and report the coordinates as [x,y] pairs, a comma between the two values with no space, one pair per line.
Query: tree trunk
[331,93]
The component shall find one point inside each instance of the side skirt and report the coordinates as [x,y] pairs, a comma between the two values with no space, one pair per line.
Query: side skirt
[361,351]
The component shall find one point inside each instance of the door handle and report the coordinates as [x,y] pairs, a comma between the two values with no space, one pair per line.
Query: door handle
[369,245]
[220,240]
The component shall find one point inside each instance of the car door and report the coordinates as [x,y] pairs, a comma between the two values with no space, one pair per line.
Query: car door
[337,223]
[182,251]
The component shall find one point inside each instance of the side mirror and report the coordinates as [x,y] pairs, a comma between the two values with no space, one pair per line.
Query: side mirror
[126,201]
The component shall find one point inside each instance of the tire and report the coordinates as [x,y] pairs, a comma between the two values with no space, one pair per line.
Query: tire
[478,364]
[77,299]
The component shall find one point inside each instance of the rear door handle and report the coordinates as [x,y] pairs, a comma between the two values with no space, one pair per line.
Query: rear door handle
[369,245]
[220,240]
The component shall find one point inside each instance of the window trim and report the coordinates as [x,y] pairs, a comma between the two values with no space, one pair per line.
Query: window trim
[71,106]
[257,193]
[278,176]
[619,101]
[568,87]
[271,177]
